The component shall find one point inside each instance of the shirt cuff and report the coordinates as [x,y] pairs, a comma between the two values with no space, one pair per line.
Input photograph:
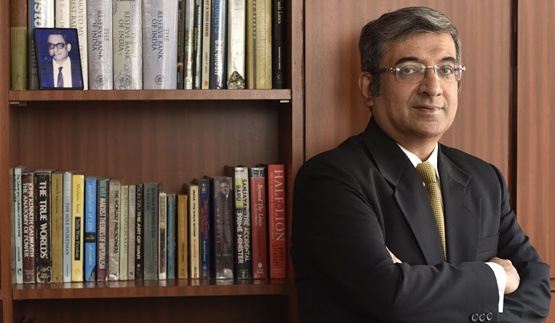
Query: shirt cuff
[501,278]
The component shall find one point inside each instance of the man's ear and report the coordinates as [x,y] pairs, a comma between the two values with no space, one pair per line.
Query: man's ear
[68,47]
[366,86]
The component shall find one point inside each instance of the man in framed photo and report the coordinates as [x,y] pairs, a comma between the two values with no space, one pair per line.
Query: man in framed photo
[60,70]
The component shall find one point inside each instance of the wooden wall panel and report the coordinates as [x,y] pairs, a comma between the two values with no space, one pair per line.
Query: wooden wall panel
[535,181]
[334,107]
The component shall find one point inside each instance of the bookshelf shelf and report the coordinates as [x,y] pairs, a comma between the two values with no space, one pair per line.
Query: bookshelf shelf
[149,95]
[154,288]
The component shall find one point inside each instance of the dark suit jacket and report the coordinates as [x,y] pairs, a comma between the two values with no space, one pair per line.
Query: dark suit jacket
[47,78]
[351,202]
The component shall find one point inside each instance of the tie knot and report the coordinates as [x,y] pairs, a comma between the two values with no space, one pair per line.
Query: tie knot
[60,68]
[427,172]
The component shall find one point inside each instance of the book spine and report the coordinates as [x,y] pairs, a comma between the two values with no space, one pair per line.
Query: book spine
[78,20]
[194,231]
[259,44]
[43,229]
[180,43]
[127,45]
[67,226]
[258,221]
[278,44]
[132,231]
[206,33]
[114,243]
[236,44]
[218,45]
[41,15]
[139,224]
[18,224]
[28,209]
[150,236]
[78,217]
[204,213]
[91,193]
[124,232]
[18,40]
[63,13]
[103,229]
[243,258]
[171,237]
[189,34]
[100,44]
[182,237]
[162,234]
[276,219]
[57,226]
[197,47]
[222,209]
[159,44]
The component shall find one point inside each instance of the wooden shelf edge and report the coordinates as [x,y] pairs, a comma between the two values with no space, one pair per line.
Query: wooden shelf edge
[162,288]
[18,97]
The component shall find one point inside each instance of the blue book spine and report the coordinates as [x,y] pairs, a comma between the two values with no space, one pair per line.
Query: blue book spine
[90,228]
[218,45]
[171,236]
[204,203]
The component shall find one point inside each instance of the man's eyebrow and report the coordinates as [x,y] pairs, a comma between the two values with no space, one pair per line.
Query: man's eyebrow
[415,59]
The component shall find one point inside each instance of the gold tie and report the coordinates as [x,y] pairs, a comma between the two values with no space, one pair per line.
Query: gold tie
[428,175]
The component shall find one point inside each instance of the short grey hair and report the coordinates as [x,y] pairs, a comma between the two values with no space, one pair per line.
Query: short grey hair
[396,27]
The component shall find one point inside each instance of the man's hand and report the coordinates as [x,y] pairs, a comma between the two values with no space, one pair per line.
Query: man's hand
[513,278]
[393,257]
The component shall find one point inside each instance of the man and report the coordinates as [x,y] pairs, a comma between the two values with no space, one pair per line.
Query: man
[60,71]
[367,243]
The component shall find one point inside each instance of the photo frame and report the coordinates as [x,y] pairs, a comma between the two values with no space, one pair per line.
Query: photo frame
[58,59]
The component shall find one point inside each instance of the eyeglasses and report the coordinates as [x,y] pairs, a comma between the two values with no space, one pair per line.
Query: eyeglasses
[57,45]
[411,72]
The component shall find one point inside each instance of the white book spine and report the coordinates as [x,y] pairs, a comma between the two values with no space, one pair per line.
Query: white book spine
[131,231]
[124,232]
[41,15]
[127,44]
[113,234]
[99,26]
[205,78]
[160,44]
[18,225]
[189,43]
[197,64]
[236,38]
[163,235]
[62,14]
[67,228]
[78,19]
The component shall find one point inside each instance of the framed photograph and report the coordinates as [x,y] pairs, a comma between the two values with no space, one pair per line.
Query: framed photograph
[58,59]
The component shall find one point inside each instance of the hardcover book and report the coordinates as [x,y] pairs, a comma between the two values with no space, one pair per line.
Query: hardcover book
[139,224]
[77,223]
[258,222]
[100,44]
[150,235]
[170,272]
[205,236]
[67,225]
[189,35]
[242,222]
[159,44]
[197,47]
[124,232]
[180,43]
[114,243]
[28,211]
[91,193]
[259,44]
[41,15]
[278,44]
[222,218]
[18,40]
[191,190]
[182,237]
[78,19]
[103,229]
[206,33]
[218,45]
[132,231]
[162,234]
[18,223]
[236,44]
[63,13]
[43,233]
[127,44]
[57,226]
[276,219]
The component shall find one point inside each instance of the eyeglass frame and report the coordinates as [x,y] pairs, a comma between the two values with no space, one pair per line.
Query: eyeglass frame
[396,69]
[56,45]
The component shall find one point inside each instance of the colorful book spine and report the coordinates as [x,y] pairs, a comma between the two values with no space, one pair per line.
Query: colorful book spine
[100,56]
[103,229]
[43,226]
[78,20]
[218,45]
[124,232]
[258,222]
[206,33]
[139,225]
[77,223]
[236,44]
[91,194]
[278,44]
[197,47]
[114,243]
[222,215]
[182,237]
[67,226]
[259,44]
[180,43]
[150,234]
[170,272]
[28,209]
[132,231]
[127,44]
[194,230]
[205,236]
[57,226]
[41,15]
[18,223]
[63,13]
[160,44]
[162,235]
[276,219]
[189,35]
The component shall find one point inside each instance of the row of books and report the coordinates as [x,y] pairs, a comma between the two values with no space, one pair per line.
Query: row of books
[69,227]
[161,44]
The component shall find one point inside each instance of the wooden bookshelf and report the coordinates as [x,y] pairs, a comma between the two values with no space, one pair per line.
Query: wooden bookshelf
[167,136]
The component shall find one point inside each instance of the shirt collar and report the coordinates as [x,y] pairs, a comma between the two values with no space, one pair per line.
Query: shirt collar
[415,160]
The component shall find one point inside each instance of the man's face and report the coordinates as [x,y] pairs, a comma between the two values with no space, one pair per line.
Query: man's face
[58,54]
[411,112]
[224,187]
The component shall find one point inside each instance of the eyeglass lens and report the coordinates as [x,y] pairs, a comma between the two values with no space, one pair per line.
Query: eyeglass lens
[415,72]
[57,45]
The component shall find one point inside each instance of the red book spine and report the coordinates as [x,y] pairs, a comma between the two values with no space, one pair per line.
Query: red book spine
[276,217]
[259,223]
